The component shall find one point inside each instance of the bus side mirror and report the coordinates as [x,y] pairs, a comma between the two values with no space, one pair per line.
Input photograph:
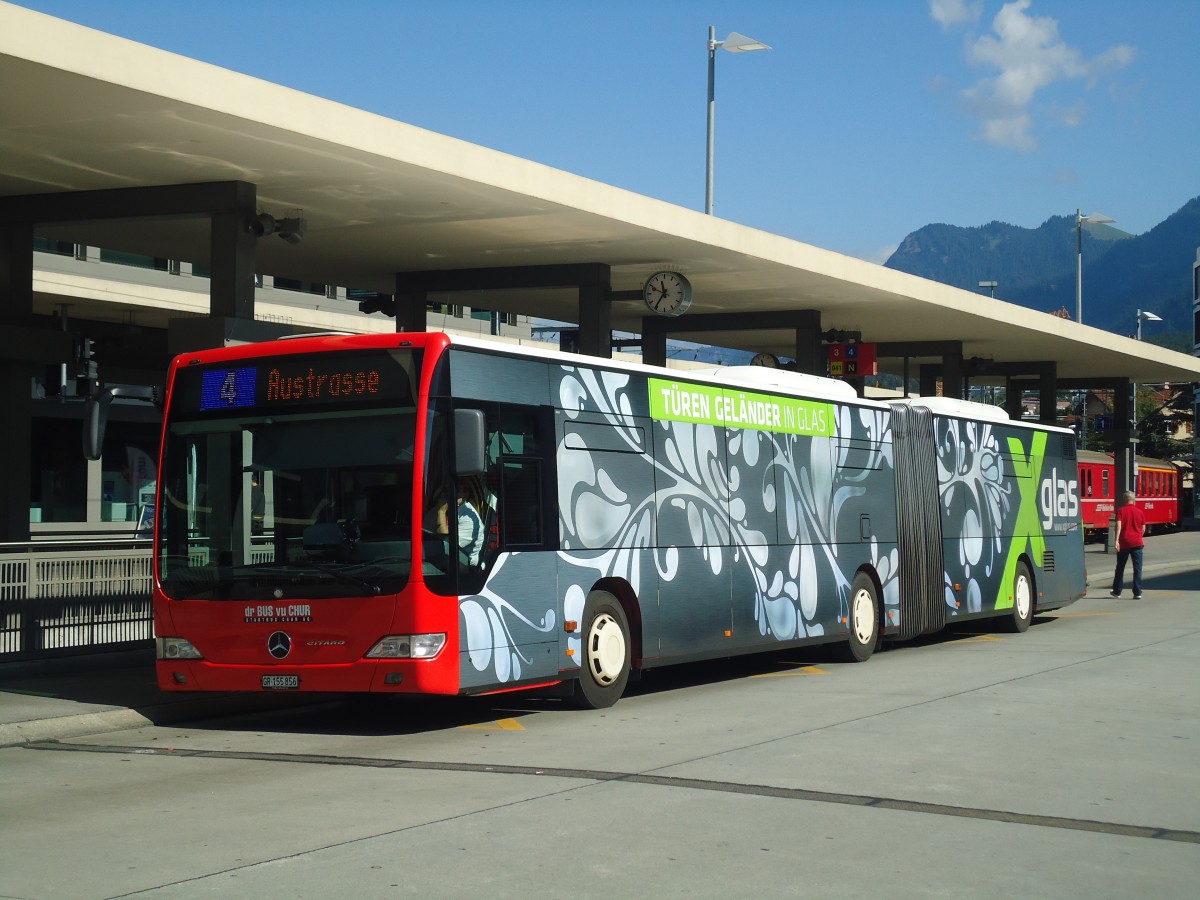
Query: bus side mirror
[95,416]
[95,412]
[470,441]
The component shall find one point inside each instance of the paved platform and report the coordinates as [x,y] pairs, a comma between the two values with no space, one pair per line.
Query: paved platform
[60,699]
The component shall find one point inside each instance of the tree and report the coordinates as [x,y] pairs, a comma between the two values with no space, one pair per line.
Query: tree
[1163,415]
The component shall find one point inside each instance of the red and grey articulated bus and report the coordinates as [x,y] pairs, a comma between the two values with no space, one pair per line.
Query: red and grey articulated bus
[421,513]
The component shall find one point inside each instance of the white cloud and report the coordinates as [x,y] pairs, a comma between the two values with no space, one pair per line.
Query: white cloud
[1071,116]
[1029,55]
[955,12]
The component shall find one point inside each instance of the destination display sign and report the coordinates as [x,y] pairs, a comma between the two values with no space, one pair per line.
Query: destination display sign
[367,378]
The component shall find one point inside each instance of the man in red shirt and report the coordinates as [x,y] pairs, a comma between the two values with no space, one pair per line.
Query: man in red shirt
[1131,526]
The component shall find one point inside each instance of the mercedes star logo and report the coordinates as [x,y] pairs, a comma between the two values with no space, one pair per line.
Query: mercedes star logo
[279,645]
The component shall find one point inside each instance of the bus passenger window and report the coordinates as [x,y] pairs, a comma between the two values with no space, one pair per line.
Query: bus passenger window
[522,523]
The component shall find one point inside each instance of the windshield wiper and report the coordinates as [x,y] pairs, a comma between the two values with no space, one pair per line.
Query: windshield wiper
[342,575]
[190,592]
[268,574]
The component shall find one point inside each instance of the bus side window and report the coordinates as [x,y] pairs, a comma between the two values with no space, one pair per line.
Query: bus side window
[520,446]
[522,521]
[511,497]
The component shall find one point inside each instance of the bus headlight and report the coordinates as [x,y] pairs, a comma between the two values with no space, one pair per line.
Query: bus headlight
[408,646]
[176,648]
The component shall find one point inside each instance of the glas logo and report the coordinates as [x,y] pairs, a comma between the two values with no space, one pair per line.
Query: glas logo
[1058,498]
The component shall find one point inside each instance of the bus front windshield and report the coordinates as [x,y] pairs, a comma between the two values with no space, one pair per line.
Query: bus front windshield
[276,487]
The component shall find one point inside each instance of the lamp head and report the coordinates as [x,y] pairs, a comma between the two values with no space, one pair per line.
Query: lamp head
[291,230]
[261,225]
[739,43]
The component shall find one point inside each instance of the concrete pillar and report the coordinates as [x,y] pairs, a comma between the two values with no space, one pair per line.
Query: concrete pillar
[809,356]
[952,375]
[234,253]
[654,341]
[16,410]
[1122,438]
[595,320]
[410,310]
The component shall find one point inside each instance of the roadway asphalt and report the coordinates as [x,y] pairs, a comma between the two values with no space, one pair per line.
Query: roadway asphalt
[1057,763]
[61,699]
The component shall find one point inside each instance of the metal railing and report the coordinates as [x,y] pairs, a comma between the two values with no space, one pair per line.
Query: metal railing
[59,598]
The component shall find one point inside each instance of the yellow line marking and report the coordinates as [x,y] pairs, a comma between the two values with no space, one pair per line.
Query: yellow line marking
[979,639]
[502,724]
[802,670]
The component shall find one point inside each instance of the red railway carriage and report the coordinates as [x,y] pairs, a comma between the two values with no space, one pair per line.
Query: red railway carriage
[1157,490]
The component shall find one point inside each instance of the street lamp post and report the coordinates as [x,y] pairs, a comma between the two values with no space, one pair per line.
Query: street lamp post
[1144,315]
[991,286]
[1093,219]
[734,43]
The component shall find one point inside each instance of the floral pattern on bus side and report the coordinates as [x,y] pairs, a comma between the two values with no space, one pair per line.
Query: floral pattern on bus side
[818,480]
[973,492]
[491,624]
[806,484]
[719,484]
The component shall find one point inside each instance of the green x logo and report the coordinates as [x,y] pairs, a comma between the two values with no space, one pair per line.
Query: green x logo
[1027,530]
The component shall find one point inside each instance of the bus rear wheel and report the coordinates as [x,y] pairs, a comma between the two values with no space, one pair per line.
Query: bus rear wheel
[864,620]
[1021,614]
[606,653]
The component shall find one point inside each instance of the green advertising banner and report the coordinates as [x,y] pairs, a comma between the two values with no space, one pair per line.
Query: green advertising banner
[732,408]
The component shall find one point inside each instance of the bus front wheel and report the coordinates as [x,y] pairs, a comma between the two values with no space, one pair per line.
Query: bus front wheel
[606,653]
[864,620]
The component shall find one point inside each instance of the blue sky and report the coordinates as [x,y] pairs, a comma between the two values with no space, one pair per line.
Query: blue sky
[865,121]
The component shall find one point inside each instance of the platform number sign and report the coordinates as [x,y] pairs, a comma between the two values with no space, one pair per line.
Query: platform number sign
[852,360]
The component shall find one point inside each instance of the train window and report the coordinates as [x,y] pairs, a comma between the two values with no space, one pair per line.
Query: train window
[1104,483]
[1087,482]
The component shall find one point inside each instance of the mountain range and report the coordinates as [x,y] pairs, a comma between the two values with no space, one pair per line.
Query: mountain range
[1036,268]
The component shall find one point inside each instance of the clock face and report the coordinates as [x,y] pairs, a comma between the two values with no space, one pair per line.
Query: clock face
[667,293]
[769,360]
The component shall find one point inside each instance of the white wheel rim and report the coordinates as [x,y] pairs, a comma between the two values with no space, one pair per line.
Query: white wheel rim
[606,649]
[863,616]
[1023,599]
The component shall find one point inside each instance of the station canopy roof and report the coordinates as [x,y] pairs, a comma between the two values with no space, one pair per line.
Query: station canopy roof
[84,110]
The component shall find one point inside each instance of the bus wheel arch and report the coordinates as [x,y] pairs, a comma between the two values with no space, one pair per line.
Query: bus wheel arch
[608,646]
[1024,588]
[624,594]
[864,618]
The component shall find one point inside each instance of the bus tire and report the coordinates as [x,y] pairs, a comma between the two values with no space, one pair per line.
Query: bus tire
[864,620]
[606,653]
[1018,618]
